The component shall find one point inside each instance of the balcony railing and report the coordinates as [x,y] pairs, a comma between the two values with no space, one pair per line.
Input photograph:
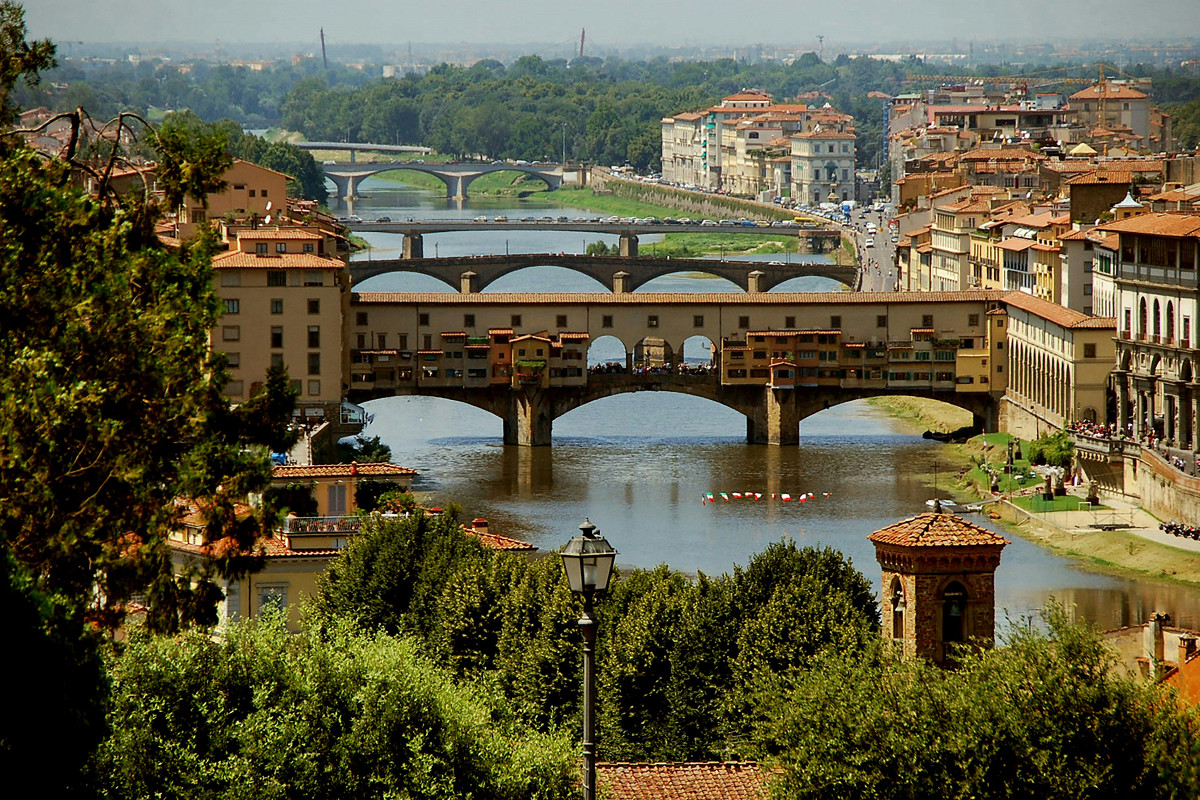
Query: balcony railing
[322,526]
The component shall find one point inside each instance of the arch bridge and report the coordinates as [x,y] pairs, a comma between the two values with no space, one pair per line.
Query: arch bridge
[619,274]
[457,177]
[777,358]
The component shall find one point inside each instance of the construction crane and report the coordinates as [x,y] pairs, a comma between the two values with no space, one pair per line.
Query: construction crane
[582,35]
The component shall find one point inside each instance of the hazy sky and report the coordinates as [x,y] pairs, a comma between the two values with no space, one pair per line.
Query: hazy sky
[610,23]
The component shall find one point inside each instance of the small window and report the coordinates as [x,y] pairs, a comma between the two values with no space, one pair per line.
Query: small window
[314,305]
[308,247]
[281,247]
[235,388]
[972,319]
[313,277]
[468,320]
[260,248]
[835,321]
[560,321]
[360,318]
[264,192]
[652,321]
[927,321]
[516,320]
[233,306]
[314,387]
[743,322]
[277,277]
[698,321]
[239,187]
[881,321]
[382,339]
[789,322]
[231,333]
[252,193]
[231,277]
[1089,351]
[234,360]
[277,305]
[314,363]
[360,341]
[277,360]
[422,319]
[277,336]
[314,335]
[606,321]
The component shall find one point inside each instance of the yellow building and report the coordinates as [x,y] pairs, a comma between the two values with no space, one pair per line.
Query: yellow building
[250,190]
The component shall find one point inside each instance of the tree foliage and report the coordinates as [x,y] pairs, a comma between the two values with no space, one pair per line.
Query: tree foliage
[1046,715]
[676,656]
[263,713]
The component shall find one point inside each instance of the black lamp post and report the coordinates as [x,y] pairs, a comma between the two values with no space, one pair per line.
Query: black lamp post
[588,562]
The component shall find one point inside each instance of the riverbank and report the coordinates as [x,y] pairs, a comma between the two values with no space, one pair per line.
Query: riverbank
[1122,553]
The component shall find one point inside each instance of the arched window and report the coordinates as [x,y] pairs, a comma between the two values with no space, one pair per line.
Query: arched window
[1142,318]
[1170,322]
[898,606]
[954,610]
[1157,319]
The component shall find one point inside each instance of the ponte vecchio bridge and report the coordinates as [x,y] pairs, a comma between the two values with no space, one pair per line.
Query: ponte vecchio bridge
[777,358]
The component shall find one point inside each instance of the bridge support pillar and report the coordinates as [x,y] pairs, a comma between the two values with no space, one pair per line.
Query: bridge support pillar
[620,282]
[776,420]
[628,247]
[755,280]
[351,189]
[413,247]
[468,282]
[528,422]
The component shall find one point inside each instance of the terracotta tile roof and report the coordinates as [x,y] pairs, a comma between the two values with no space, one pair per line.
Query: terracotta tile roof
[339,470]
[1175,196]
[1102,176]
[1016,245]
[278,233]
[1108,91]
[936,530]
[236,259]
[574,336]
[683,781]
[1158,224]
[1053,312]
[1073,236]
[671,298]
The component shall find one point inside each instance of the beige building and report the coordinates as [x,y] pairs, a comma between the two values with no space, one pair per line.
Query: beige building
[250,191]
[285,298]
[1113,106]
[1058,362]
[823,167]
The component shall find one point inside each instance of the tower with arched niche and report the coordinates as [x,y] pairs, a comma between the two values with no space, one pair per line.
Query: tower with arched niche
[938,583]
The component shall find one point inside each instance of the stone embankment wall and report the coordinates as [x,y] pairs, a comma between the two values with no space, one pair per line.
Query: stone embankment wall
[1165,491]
[708,205]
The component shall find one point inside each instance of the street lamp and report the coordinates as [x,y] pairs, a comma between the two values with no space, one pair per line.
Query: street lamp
[588,562]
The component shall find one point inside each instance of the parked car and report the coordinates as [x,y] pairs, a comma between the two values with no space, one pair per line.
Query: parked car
[384,219]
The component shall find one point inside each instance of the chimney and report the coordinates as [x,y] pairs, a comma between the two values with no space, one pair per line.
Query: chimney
[1152,643]
[480,525]
[1187,648]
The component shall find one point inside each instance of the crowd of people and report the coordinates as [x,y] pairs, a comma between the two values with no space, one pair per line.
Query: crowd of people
[683,368]
[1149,439]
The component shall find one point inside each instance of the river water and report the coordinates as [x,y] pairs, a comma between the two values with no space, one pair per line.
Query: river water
[638,465]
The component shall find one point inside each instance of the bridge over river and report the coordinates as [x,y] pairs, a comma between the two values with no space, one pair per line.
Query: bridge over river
[777,357]
[619,274]
[457,177]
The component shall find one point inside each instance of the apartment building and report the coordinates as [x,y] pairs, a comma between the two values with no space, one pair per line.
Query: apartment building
[250,191]
[285,299]
[823,166]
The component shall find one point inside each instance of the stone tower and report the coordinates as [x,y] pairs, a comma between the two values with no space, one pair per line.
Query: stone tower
[938,582]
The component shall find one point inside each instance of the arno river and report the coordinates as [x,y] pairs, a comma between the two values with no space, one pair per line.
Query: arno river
[638,465]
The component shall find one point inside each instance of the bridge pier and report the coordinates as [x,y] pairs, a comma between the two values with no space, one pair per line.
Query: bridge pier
[754,281]
[528,421]
[628,247]
[413,246]
[456,185]
[776,420]
[468,282]
[620,282]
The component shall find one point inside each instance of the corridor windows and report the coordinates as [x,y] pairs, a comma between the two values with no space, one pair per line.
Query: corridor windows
[652,321]
[1089,351]
[560,321]
[314,335]
[789,322]
[360,318]
[423,320]
[314,363]
[927,320]
[516,320]
[277,277]
[314,305]
[233,306]
[835,321]
[231,333]
[698,321]
[606,321]
[881,320]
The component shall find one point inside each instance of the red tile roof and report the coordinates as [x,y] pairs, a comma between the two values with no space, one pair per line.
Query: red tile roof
[683,781]
[1157,224]
[236,259]
[936,530]
[1053,312]
[1108,91]
[339,470]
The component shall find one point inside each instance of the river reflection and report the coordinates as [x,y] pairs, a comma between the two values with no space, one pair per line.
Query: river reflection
[638,465]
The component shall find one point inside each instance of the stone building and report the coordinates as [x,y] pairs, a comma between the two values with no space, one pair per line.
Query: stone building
[938,583]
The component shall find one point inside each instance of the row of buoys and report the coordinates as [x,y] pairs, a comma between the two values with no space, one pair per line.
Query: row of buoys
[728,497]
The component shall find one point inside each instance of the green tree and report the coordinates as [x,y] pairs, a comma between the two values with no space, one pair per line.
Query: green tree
[19,59]
[1046,715]
[263,713]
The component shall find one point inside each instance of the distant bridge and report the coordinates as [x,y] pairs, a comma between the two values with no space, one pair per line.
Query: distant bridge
[815,240]
[457,177]
[619,274]
[363,147]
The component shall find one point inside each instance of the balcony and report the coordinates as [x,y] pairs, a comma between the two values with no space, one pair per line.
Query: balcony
[322,526]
